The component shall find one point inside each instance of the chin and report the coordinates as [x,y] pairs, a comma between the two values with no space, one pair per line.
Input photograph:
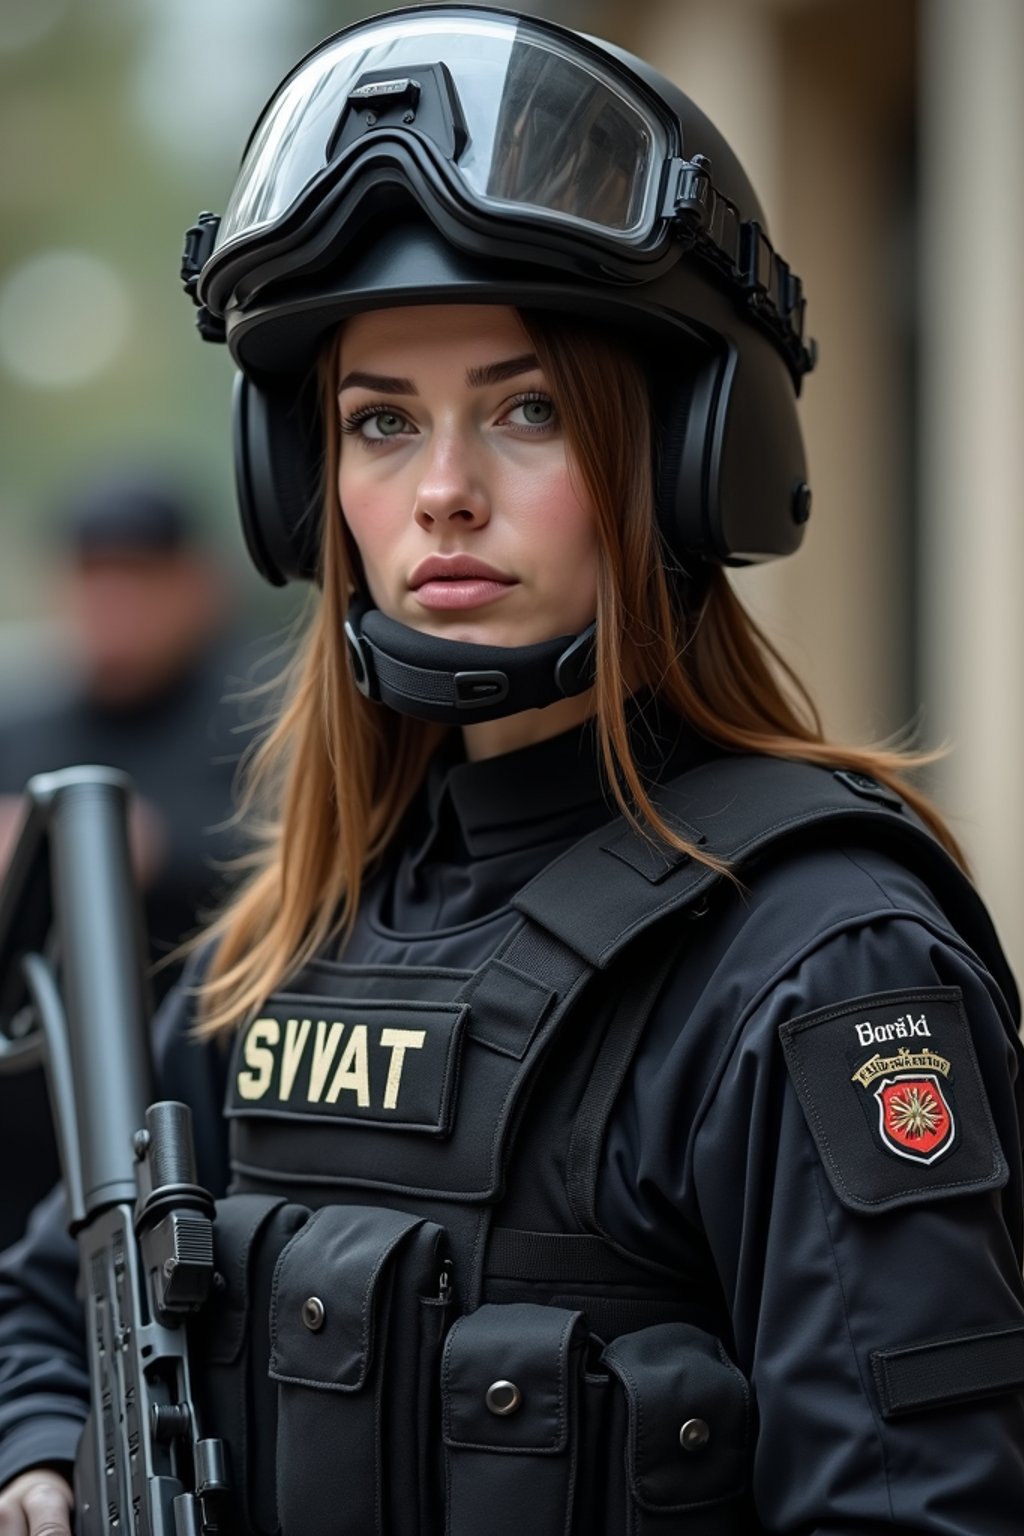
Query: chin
[506,634]
[466,632]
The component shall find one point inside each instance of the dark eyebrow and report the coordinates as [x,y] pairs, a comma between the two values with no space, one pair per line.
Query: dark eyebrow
[384,383]
[476,378]
[497,373]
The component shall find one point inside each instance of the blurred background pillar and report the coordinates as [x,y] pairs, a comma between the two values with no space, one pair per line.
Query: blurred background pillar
[972,439]
[817,99]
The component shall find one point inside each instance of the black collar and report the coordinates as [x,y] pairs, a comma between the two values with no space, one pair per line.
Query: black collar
[539,793]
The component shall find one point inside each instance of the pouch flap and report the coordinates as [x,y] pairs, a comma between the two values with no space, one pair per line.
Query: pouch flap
[689,1411]
[506,1380]
[326,1293]
[242,1226]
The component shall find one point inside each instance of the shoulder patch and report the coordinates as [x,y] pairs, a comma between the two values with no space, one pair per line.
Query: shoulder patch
[890,1088]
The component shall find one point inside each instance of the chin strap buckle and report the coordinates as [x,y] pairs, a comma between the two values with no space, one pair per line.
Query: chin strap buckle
[474,690]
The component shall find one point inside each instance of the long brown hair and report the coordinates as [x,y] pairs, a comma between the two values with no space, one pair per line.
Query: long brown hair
[327,790]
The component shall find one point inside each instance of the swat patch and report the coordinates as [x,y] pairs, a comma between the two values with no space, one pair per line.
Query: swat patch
[890,1088]
[391,1063]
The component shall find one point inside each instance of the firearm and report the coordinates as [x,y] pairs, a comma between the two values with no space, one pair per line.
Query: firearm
[73,995]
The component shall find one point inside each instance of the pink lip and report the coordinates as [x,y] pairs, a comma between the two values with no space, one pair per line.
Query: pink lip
[473,593]
[456,568]
[458,581]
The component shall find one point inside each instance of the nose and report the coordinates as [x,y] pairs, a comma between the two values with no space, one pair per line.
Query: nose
[451,492]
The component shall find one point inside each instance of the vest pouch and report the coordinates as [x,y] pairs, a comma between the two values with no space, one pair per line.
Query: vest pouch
[509,1391]
[357,1319]
[230,1350]
[682,1410]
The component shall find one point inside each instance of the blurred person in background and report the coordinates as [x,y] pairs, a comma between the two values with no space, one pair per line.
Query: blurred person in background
[152,640]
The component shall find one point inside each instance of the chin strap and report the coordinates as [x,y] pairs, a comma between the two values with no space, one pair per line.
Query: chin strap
[455,683]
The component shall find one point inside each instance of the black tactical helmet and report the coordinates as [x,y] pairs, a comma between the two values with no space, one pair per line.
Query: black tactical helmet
[456,153]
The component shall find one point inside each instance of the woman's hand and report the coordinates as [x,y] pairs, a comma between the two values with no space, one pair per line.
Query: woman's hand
[36,1503]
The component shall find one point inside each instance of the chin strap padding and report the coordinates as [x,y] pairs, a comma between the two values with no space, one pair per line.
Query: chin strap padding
[456,683]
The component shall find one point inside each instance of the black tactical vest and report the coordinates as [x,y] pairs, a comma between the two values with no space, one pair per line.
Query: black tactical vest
[412,1337]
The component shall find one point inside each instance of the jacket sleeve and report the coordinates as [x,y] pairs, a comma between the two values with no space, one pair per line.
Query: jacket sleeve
[857,1170]
[44,1385]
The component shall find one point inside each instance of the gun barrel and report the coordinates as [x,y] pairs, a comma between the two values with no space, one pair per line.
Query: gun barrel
[101,947]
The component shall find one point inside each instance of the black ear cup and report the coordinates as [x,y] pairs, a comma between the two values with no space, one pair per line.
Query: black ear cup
[757,466]
[278,443]
[729,458]
[686,406]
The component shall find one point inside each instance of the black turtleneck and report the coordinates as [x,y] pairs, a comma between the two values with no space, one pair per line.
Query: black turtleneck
[478,831]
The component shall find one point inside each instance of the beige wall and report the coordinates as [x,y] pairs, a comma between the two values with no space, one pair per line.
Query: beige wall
[972,439]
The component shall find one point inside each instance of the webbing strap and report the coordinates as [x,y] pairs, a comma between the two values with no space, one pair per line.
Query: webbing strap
[556,1258]
[616,1053]
[606,889]
[582,1257]
[590,903]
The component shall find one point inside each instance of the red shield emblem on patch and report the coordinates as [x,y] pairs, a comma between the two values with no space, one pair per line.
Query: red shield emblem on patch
[915,1120]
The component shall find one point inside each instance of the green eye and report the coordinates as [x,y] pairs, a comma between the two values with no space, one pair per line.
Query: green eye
[536,413]
[387,424]
[376,423]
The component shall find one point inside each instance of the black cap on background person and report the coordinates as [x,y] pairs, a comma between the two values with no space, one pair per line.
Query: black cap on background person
[126,512]
[138,591]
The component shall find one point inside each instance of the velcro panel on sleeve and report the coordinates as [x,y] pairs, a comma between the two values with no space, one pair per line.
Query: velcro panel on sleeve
[949,1370]
[892,1094]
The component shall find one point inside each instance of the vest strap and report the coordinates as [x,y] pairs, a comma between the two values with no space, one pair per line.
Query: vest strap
[556,1258]
[616,1053]
[598,895]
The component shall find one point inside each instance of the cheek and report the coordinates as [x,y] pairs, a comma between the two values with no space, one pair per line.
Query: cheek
[364,515]
[564,524]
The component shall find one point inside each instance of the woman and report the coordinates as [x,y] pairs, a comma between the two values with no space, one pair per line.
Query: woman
[647,1068]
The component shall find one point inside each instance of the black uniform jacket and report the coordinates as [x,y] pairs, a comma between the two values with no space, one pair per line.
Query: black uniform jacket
[825,1102]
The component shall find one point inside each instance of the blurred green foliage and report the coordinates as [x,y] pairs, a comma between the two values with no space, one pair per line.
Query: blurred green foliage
[88,167]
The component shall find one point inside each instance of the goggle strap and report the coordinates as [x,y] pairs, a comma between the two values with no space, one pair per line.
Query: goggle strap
[741,251]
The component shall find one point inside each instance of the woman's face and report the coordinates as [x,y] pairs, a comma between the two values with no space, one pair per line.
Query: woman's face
[454,478]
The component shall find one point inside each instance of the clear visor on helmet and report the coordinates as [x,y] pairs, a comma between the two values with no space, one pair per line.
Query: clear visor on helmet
[541,128]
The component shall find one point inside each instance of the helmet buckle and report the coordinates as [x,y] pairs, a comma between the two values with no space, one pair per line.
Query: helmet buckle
[691,198]
[199,243]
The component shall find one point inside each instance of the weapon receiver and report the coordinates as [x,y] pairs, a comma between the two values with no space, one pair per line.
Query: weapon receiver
[73,995]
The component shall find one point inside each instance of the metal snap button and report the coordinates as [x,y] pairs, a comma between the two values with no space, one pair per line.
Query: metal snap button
[314,1313]
[694,1435]
[503,1398]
